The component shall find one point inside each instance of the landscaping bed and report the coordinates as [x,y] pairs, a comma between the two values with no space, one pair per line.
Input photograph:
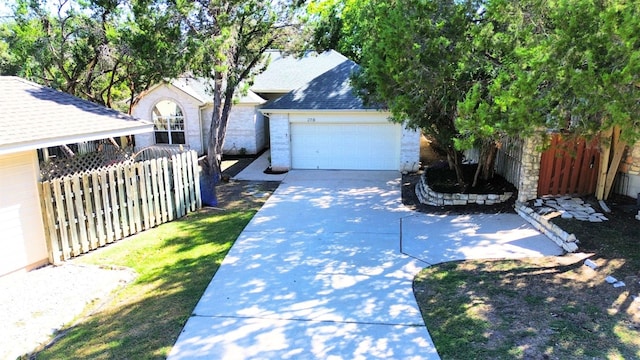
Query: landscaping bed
[540,308]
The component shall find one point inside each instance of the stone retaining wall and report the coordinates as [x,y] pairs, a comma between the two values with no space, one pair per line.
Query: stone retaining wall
[429,197]
[565,240]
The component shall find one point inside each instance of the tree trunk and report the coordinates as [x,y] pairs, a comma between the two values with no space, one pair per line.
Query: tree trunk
[486,162]
[455,163]
[222,100]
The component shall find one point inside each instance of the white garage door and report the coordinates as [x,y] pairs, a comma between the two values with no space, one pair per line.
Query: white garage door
[345,146]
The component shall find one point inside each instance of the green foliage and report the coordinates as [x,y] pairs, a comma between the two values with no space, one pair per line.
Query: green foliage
[564,65]
[96,49]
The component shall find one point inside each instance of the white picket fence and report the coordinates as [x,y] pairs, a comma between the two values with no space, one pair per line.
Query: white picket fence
[85,211]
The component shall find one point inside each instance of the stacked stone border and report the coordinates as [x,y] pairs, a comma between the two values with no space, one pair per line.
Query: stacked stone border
[429,197]
[567,241]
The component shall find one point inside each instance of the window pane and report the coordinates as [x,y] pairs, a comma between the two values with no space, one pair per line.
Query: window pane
[177,137]
[177,123]
[159,123]
[162,137]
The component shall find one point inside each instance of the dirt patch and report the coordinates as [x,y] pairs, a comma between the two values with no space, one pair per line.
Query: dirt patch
[241,195]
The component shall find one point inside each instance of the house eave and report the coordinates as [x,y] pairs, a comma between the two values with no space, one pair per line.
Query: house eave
[72,139]
[326,111]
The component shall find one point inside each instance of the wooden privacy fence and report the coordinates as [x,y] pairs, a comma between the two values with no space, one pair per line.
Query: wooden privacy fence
[85,211]
[569,167]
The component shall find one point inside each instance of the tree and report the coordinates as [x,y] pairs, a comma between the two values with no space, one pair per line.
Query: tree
[94,49]
[411,53]
[570,66]
[226,42]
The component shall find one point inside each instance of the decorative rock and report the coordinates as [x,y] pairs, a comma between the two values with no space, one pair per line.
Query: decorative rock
[591,264]
[570,247]
[566,215]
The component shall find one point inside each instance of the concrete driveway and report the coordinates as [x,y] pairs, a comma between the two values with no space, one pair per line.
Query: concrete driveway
[319,273]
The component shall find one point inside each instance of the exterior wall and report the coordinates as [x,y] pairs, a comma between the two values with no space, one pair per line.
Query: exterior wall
[410,150]
[190,109]
[246,129]
[23,239]
[631,168]
[529,170]
[280,142]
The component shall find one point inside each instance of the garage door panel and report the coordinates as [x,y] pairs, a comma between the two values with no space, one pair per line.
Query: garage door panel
[345,146]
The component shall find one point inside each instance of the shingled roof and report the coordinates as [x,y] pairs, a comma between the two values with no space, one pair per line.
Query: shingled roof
[34,116]
[329,91]
[286,73]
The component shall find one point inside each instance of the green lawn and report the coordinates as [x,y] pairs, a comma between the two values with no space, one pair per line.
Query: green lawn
[540,308]
[174,262]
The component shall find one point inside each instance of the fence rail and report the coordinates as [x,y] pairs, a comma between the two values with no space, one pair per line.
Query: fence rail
[85,211]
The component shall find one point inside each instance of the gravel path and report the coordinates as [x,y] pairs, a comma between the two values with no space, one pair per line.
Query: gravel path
[35,304]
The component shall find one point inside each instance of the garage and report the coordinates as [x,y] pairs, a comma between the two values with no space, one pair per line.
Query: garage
[325,125]
[345,146]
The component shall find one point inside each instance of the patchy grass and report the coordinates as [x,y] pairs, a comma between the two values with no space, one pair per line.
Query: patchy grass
[542,308]
[174,263]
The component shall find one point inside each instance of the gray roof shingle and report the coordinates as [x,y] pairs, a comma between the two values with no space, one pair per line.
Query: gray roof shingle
[286,73]
[33,116]
[329,91]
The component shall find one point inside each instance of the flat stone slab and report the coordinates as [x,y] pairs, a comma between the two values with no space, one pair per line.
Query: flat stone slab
[568,207]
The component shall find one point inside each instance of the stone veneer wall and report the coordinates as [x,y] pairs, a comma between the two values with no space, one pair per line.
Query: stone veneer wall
[529,170]
[631,164]
[430,197]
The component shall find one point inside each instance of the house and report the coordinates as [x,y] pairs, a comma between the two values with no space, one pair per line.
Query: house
[186,103]
[35,117]
[325,125]
[303,108]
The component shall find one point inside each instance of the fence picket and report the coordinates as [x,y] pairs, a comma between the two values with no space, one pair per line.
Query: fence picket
[122,203]
[185,182]
[81,217]
[98,206]
[106,206]
[62,219]
[167,186]
[149,192]
[85,211]
[196,178]
[142,173]
[113,187]
[71,217]
[128,188]
[55,252]
[137,216]
[156,192]
[162,191]
[88,210]
[177,185]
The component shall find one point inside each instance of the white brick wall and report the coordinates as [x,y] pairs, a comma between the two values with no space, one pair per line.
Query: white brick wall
[410,150]
[280,142]
[246,128]
[190,109]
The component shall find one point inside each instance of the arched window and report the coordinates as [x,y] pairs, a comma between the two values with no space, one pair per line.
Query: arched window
[168,122]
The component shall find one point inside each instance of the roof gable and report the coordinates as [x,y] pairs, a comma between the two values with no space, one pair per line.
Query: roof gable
[329,91]
[286,73]
[34,116]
